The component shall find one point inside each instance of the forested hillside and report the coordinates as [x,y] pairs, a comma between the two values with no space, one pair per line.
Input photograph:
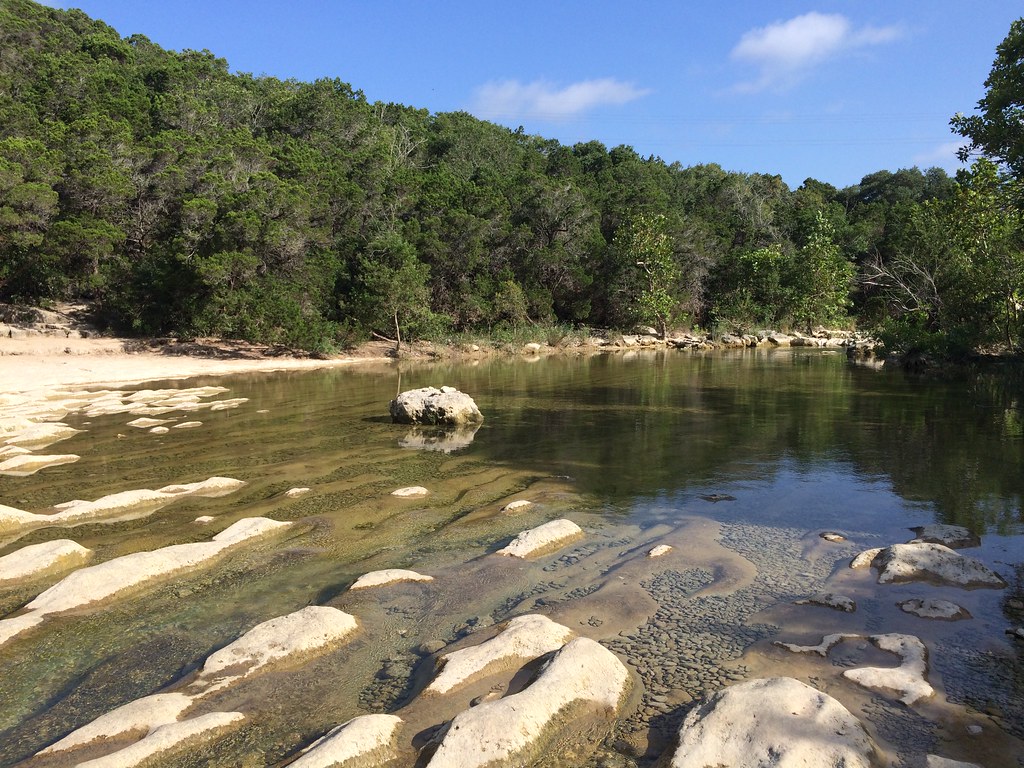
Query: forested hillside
[183,199]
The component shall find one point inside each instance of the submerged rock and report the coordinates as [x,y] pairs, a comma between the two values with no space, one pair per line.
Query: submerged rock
[430,405]
[658,551]
[412,490]
[29,463]
[516,506]
[908,679]
[775,721]
[583,680]
[543,538]
[387,576]
[933,608]
[927,562]
[830,600]
[953,536]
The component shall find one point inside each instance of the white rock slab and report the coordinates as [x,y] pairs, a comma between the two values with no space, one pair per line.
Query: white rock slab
[934,761]
[429,405]
[223,405]
[13,519]
[908,679]
[830,600]
[503,731]
[516,506]
[294,493]
[6,451]
[305,631]
[523,638]
[822,648]
[362,738]
[927,562]
[159,431]
[36,559]
[412,490]
[147,423]
[211,488]
[934,608]
[660,551]
[109,579]
[546,537]
[779,722]
[387,576]
[141,500]
[30,463]
[953,536]
[140,717]
[188,425]
[166,738]
[37,436]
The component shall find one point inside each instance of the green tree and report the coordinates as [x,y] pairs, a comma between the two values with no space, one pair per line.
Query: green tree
[644,244]
[998,131]
[823,277]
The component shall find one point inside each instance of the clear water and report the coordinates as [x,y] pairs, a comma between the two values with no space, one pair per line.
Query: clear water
[625,445]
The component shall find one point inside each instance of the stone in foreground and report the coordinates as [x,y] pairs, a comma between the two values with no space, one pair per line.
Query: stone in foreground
[927,562]
[777,721]
[523,638]
[908,679]
[543,538]
[584,679]
[36,559]
[363,741]
[830,600]
[387,576]
[430,405]
[934,608]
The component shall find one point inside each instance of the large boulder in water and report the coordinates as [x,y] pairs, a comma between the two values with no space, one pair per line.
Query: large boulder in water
[776,721]
[430,405]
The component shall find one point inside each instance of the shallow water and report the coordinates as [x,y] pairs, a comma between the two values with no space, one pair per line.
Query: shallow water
[626,445]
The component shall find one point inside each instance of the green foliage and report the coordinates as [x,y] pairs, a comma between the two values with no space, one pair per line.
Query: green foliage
[823,277]
[645,248]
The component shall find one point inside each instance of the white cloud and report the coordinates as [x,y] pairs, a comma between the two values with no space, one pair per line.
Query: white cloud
[786,50]
[944,156]
[511,99]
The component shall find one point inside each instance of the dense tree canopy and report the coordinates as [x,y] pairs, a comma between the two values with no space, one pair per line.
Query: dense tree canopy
[183,199]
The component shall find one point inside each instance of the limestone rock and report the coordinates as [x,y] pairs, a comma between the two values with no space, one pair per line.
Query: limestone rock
[435,406]
[584,678]
[775,721]
[933,608]
[30,463]
[952,536]
[830,600]
[141,717]
[35,559]
[363,741]
[908,679]
[294,493]
[523,638]
[168,737]
[516,506]
[934,761]
[658,551]
[412,490]
[543,538]
[928,562]
[387,576]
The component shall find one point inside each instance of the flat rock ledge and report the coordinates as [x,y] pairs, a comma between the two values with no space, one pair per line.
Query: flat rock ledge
[430,405]
[387,576]
[927,562]
[522,639]
[362,742]
[37,559]
[934,608]
[934,761]
[297,635]
[543,538]
[952,536]
[908,680]
[659,551]
[411,491]
[583,678]
[775,721]
[830,600]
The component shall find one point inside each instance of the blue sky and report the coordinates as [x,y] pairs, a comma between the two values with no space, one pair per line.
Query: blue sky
[829,90]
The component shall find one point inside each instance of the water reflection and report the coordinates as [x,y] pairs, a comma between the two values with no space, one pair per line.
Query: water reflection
[439,439]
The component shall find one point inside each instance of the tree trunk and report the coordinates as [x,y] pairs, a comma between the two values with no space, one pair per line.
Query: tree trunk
[398,336]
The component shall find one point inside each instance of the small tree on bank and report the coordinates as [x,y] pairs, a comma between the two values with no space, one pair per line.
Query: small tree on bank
[646,250]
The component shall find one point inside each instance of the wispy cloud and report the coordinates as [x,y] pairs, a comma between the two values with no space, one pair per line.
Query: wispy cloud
[784,52]
[543,100]
[944,156]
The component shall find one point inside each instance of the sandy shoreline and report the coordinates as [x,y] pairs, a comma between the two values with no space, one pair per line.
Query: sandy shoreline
[46,363]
